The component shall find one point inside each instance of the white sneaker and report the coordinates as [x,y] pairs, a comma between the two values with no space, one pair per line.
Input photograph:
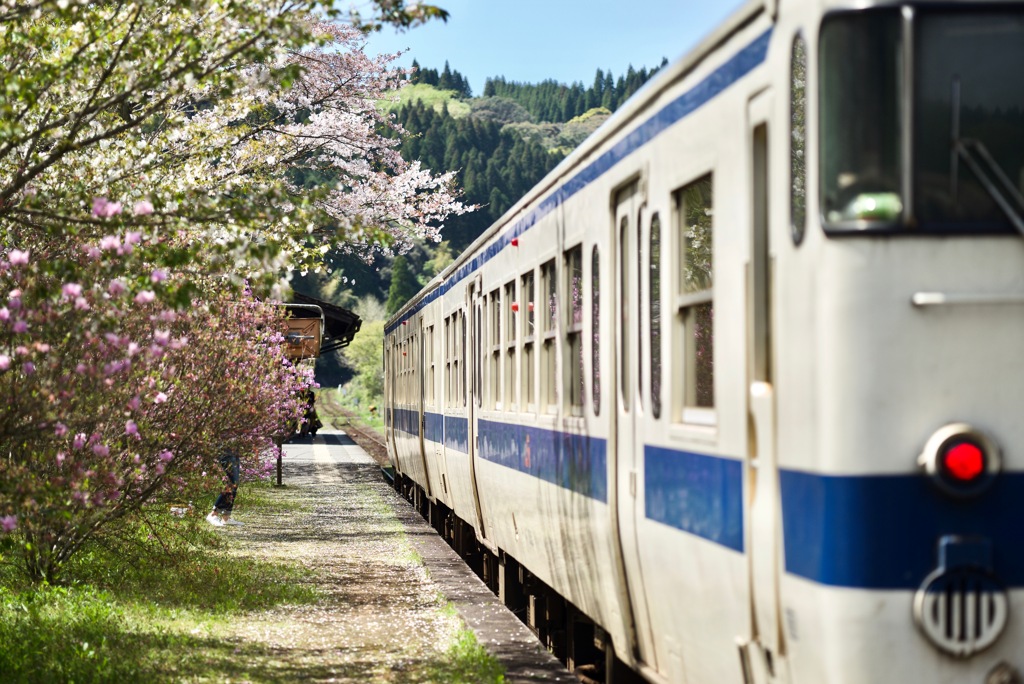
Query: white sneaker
[232,521]
[215,520]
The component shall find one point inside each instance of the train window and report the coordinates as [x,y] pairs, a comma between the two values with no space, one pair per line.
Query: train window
[624,310]
[477,356]
[509,376]
[655,315]
[549,319]
[452,362]
[694,301]
[860,137]
[640,310]
[574,330]
[526,314]
[495,385]
[798,139]
[448,361]
[429,335]
[968,118]
[595,320]
[462,358]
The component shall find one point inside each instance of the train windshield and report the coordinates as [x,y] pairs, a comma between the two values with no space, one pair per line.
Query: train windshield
[961,128]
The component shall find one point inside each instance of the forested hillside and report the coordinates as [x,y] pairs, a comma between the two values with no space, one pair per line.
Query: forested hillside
[553,101]
[499,145]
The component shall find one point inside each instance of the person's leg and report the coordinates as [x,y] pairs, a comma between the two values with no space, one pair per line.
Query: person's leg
[232,469]
[226,500]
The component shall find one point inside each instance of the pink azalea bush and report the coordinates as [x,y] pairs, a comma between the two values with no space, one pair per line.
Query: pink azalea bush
[146,177]
[126,402]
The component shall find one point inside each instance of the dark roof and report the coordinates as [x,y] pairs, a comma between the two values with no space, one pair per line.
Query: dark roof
[340,324]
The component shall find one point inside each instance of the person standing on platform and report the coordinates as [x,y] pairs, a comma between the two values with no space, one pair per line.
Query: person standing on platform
[221,514]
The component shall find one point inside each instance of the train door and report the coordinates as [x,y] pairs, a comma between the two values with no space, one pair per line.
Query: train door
[419,350]
[763,505]
[473,351]
[628,406]
[389,355]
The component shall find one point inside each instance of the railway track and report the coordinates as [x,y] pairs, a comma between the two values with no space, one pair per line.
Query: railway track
[366,437]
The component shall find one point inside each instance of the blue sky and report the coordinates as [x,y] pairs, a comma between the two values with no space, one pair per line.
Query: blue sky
[567,40]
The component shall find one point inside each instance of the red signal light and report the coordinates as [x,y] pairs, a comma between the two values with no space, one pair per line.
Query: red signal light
[961,460]
[964,461]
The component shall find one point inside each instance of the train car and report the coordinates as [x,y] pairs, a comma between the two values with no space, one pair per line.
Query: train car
[734,393]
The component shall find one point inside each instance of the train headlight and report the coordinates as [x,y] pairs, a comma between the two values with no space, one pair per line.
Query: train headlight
[961,460]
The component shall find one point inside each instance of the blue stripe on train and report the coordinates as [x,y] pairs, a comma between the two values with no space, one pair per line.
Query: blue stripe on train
[881,532]
[452,431]
[578,463]
[456,433]
[738,66]
[696,493]
[870,532]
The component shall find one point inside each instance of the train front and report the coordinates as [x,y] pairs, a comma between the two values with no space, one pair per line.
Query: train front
[903,507]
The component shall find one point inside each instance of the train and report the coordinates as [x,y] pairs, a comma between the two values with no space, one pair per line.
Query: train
[734,394]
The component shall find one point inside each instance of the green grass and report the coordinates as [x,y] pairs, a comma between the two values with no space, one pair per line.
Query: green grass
[429,96]
[143,604]
[331,403]
[467,662]
[152,601]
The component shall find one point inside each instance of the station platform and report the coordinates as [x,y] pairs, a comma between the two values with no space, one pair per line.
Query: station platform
[369,541]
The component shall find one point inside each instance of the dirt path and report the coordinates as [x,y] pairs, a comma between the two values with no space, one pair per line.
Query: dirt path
[395,597]
[382,618]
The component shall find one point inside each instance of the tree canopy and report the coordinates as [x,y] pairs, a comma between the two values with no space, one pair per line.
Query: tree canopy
[155,182]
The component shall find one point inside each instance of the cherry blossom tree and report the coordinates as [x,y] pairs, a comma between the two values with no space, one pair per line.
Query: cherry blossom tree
[149,155]
[197,113]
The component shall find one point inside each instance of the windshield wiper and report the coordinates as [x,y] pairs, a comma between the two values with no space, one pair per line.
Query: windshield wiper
[981,163]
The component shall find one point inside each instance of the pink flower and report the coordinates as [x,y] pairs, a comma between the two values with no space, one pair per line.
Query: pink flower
[28,368]
[81,369]
[93,252]
[133,238]
[166,456]
[130,428]
[116,287]
[104,208]
[9,523]
[82,304]
[79,441]
[145,297]
[20,327]
[159,398]
[109,243]
[71,290]
[5,362]
[143,208]
[158,276]
[101,450]
[162,337]
[60,457]
[5,315]
[60,429]
[134,403]
[17,257]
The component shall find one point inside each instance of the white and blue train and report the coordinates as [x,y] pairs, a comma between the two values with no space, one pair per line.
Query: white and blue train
[736,393]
